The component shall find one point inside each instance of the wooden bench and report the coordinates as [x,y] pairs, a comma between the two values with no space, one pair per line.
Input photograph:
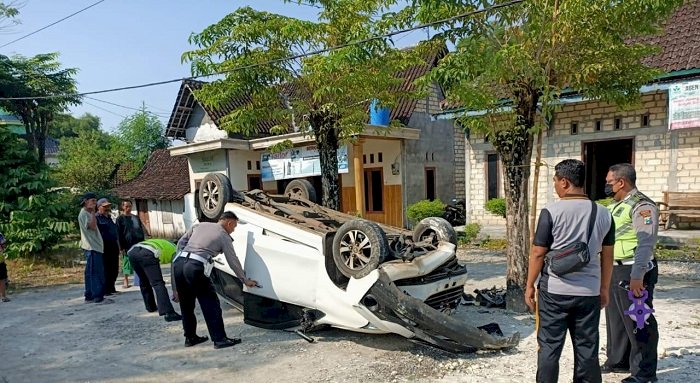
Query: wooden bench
[678,204]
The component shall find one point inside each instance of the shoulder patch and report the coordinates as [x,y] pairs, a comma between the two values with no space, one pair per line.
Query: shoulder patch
[645,213]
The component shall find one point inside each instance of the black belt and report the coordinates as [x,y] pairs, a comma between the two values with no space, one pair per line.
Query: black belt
[631,262]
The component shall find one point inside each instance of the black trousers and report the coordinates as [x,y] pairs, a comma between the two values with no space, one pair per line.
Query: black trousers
[147,267]
[111,266]
[581,317]
[191,284]
[627,348]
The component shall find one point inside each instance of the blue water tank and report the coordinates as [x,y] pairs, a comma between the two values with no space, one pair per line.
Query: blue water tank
[378,116]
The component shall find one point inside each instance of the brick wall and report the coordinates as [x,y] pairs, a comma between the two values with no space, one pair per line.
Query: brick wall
[664,160]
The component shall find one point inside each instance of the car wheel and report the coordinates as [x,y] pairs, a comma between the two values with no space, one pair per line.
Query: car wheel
[359,247]
[301,188]
[215,192]
[439,228]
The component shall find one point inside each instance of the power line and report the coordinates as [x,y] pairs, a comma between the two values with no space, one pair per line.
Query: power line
[52,24]
[128,107]
[275,61]
[104,109]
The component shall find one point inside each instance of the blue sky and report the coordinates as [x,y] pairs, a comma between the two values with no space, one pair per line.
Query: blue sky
[127,42]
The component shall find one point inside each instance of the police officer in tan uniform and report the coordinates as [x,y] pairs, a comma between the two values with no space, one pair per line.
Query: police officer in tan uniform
[636,225]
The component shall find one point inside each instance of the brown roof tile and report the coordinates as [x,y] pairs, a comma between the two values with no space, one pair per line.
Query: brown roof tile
[186,101]
[680,40]
[163,177]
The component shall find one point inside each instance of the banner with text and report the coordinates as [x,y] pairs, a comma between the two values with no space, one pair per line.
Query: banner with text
[297,163]
[684,105]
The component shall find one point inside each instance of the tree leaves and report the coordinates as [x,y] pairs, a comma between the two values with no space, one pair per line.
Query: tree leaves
[33,217]
[325,94]
[40,75]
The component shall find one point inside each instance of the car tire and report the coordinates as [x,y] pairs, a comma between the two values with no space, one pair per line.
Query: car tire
[359,247]
[215,192]
[439,226]
[301,188]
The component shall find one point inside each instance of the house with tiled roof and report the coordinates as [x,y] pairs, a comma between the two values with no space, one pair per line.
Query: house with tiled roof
[397,167]
[158,194]
[661,137]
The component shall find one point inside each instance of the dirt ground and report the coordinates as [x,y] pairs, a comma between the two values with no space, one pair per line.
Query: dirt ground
[50,335]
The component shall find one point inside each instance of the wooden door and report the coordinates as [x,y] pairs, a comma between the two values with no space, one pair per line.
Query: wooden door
[142,208]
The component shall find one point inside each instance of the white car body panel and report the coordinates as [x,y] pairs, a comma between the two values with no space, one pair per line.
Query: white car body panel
[293,271]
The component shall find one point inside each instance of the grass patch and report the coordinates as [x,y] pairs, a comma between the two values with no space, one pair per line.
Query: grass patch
[58,266]
[684,254]
[494,244]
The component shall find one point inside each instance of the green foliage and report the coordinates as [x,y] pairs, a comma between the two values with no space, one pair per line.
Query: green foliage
[606,201]
[142,133]
[424,209]
[87,161]
[41,75]
[514,62]
[325,95]
[471,232]
[33,216]
[8,14]
[65,125]
[496,206]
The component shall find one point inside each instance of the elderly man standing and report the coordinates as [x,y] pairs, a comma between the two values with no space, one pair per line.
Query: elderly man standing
[191,269]
[110,240]
[637,221]
[93,248]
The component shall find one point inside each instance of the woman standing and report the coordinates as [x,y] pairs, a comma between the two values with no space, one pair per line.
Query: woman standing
[131,232]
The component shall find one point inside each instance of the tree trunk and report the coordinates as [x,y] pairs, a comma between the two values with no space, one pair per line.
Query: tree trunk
[515,148]
[326,135]
[535,186]
[41,144]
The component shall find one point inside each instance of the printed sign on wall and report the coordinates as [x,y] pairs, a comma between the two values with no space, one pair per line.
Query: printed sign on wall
[297,163]
[684,105]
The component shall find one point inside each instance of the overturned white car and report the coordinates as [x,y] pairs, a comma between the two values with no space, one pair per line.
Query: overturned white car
[316,267]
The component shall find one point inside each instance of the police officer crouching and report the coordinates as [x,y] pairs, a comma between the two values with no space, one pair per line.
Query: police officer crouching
[636,221]
[191,269]
[145,259]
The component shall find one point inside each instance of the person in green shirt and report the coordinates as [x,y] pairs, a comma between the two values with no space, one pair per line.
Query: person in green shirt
[145,259]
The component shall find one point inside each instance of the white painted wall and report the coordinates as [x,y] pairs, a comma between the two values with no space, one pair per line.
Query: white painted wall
[391,153]
[213,161]
[238,167]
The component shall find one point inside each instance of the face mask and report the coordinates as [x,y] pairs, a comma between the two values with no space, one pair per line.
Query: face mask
[609,190]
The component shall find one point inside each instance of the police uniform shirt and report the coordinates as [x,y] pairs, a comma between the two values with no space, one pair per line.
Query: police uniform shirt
[645,222]
[209,239]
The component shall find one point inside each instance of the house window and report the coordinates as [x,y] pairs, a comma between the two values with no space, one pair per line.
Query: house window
[598,125]
[166,208]
[257,165]
[364,158]
[645,120]
[250,165]
[430,183]
[374,190]
[371,158]
[618,123]
[379,157]
[254,182]
[491,176]
[574,128]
